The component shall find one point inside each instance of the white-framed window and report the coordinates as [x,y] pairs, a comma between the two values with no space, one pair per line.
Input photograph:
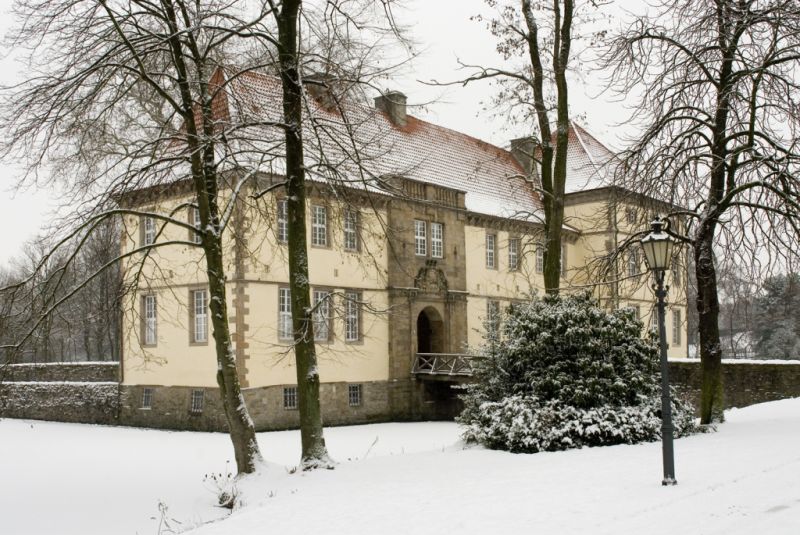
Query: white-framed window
[563,259]
[322,315]
[491,251]
[282,230]
[513,254]
[199,316]
[493,318]
[420,238]
[148,230]
[147,398]
[437,240]
[352,316]
[654,320]
[290,398]
[539,259]
[351,230]
[194,219]
[630,215]
[319,226]
[285,330]
[149,320]
[354,395]
[198,398]
[633,263]
[676,274]
[637,311]
[676,327]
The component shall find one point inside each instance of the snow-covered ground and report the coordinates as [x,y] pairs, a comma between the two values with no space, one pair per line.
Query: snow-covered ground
[415,478]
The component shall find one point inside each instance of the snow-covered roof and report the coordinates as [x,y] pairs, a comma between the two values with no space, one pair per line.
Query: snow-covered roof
[590,164]
[490,176]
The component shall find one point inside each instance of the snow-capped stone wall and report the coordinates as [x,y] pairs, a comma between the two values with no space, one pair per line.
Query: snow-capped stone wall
[95,403]
[747,382]
[61,371]
[86,392]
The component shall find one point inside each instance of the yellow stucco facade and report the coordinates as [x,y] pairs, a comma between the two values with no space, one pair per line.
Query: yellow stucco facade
[172,272]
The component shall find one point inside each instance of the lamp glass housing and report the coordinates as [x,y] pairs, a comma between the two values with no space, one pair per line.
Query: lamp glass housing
[657,247]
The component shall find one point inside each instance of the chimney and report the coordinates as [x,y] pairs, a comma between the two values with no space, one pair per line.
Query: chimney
[394,104]
[321,87]
[522,149]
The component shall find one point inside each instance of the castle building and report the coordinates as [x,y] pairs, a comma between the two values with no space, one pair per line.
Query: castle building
[408,272]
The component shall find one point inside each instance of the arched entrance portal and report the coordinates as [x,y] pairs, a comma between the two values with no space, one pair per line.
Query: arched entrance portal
[430,331]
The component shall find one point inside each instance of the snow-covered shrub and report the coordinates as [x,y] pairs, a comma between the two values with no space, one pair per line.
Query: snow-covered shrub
[566,374]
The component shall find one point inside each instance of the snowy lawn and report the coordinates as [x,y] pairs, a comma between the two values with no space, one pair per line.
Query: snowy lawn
[417,478]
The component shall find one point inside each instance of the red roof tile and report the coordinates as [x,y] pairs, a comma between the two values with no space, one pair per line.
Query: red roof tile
[422,151]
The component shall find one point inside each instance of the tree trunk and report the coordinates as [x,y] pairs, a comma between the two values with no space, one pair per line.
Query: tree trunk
[553,162]
[240,425]
[711,394]
[314,453]
[205,181]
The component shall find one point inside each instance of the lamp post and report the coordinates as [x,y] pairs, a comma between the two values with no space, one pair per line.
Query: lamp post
[657,246]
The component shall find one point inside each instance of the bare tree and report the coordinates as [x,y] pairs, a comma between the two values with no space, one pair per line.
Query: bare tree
[718,106]
[541,35]
[85,327]
[121,98]
[313,442]
[150,103]
[336,76]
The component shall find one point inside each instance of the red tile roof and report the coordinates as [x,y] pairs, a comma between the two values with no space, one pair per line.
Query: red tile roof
[422,151]
[590,164]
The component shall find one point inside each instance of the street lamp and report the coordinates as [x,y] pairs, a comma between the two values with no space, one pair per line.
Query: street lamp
[657,246]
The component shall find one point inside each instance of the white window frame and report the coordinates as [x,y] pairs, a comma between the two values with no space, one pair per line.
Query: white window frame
[351,220]
[539,259]
[285,327]
[437,240]
[199,316]
[282,223]
[197,401]
[352,316]
[633,263]
[149,320]
[355,395]
[196,236]
[319,226]
[290,398]
[321,303]
[630,215]
[491,250]
[420,238]
[676,327]
[513,254]
[147,398]
[148,230]
[676,274]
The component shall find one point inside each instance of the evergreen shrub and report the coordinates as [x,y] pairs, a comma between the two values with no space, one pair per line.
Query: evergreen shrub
[566,374]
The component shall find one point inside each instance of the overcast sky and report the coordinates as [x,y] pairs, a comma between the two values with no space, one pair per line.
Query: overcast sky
[444,34]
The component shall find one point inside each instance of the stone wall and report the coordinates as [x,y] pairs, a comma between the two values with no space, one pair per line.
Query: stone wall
[85,392]
[94,403]
[53,397]
[170,407]
[61,371]
[746,382]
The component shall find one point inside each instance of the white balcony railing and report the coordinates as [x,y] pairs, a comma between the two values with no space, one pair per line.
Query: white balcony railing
[455,364]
